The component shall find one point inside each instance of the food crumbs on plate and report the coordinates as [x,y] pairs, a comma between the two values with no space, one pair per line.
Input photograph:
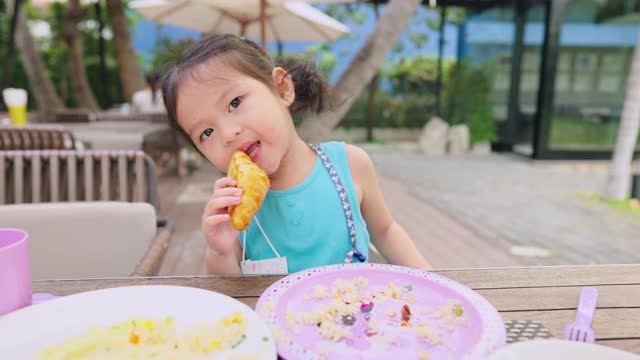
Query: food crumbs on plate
[242,338]
[366,308]
[370,332]
[338,309]
[406,313]
[133,338]
[348,320]
[422,355]
[152,338]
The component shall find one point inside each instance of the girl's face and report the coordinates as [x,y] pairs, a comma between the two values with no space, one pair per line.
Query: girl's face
[224,110]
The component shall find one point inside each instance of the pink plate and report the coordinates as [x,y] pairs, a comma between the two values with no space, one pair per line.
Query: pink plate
[436,328]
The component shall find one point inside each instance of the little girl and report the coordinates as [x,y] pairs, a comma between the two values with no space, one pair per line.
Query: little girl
[225,93]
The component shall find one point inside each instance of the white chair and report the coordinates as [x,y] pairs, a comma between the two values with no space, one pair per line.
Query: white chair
[90,239]
[33,176]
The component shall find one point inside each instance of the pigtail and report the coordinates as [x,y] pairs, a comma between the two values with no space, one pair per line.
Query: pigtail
[312,91]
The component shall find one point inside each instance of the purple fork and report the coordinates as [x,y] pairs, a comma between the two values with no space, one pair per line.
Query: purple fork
[580,330]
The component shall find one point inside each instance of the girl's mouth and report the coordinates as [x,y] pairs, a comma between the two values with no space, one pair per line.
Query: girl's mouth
[254,151]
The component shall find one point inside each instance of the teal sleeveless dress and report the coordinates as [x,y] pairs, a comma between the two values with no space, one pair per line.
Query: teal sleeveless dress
[307,223]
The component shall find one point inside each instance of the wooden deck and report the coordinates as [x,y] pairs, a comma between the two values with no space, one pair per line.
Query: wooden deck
[442,240]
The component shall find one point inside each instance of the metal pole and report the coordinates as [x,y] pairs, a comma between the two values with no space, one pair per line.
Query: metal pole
[544,113]
[513,113]
[462,41]
[263,34]
[443,20]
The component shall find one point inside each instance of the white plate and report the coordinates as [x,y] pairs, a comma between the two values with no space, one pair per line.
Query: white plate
[25,332]
[554,349]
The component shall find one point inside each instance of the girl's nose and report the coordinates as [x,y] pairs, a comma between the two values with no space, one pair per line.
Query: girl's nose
[231,133]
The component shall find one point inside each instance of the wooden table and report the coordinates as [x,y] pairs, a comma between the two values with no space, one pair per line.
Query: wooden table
[547,294]
[107,135]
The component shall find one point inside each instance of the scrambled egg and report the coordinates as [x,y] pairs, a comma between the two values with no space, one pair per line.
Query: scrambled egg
[152,339]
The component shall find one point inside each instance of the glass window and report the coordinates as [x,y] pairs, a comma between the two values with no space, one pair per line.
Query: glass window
[593,69]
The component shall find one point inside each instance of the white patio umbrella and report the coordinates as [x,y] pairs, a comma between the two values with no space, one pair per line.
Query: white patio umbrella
[262,5]
[283,20]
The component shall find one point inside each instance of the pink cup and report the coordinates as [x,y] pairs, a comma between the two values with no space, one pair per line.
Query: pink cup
[15,270]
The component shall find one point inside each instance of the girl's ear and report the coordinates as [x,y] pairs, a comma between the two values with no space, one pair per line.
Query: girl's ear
[284,85]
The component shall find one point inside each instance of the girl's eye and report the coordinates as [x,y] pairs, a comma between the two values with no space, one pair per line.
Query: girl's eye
[205,134]
[234,104]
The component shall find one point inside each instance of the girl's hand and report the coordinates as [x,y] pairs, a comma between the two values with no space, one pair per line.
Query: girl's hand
[217,229]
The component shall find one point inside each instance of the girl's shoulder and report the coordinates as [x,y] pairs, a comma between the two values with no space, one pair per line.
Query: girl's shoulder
[357,156]
[360,164]
[353,153]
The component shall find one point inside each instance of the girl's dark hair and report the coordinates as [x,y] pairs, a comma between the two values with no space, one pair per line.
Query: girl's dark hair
[246,57]
[153,80]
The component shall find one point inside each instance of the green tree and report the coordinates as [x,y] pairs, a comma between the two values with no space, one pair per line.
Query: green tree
[397,14]
[325,58]
[75,49]
[167,51]
[42,88]
[107,87]
[467,100]
[128,64]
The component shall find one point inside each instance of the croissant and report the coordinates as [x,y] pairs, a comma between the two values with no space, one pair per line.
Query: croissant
[255,183]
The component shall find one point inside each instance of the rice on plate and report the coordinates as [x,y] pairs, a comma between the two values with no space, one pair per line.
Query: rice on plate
[152,339]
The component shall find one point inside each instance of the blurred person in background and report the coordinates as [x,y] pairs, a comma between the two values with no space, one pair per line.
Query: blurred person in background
[149,100]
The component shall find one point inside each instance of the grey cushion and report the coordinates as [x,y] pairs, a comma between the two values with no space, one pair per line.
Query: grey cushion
[83,239]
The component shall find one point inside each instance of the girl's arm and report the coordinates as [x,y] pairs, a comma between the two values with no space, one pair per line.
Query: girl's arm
[224,265]
[387,235]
